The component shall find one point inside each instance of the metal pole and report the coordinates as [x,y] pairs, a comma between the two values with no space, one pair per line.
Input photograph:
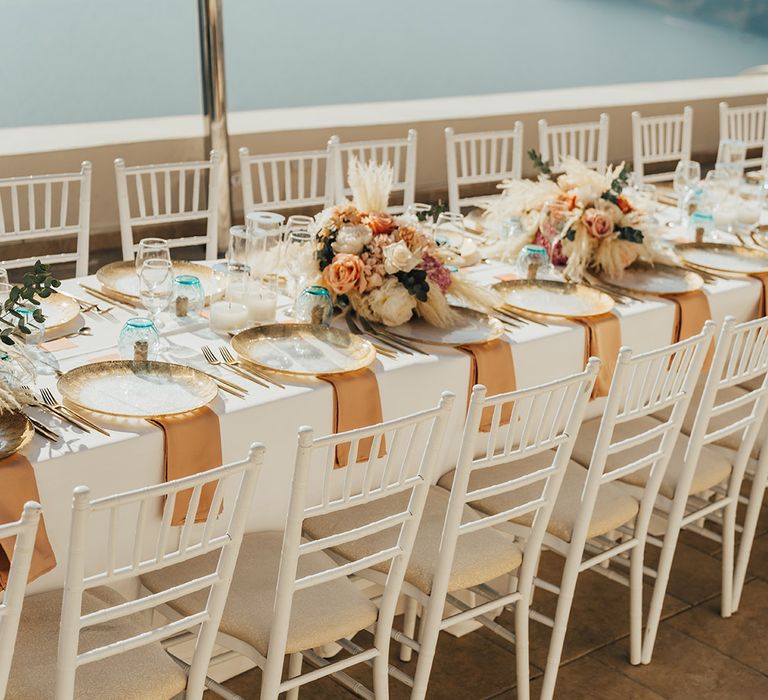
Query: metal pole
[211,29]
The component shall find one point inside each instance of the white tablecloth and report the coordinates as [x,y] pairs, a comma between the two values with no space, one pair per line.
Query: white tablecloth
[133,455]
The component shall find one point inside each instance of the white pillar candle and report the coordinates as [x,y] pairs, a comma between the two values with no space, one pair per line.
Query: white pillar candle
[725,217]
[228,316]
[261,307]
[749,214]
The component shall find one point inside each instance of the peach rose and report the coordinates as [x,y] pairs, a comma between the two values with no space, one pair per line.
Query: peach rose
[344,274]
[380,223]
[598,224]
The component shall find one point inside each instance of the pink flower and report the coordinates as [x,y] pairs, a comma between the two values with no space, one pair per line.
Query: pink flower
[436,272]
[554,248]
[344,274]
[598,224]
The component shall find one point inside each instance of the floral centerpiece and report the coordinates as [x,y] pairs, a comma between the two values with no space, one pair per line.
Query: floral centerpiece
[586,220]
[385,267]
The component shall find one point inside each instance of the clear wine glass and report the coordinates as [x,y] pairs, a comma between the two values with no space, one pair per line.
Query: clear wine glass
[156,286]
[685,181]
[299,250]
[152,249]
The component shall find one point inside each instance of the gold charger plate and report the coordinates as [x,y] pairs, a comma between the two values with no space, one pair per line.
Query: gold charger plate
[723,257]
[137,389]
[657,279]
[59,310]
[121,277]
[473,327]
[15,432]
[553,298]
[303,349]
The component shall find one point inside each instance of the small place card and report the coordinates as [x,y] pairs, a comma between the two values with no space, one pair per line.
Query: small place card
[58,344]
[508,277]
[105,358]
[205,313]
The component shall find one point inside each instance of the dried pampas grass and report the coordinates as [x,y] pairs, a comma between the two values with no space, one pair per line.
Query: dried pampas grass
[371,184]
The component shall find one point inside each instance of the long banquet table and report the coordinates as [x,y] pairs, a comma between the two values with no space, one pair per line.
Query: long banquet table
[132,456]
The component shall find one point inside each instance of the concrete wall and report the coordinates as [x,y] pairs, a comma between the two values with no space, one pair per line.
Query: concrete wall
[37,150]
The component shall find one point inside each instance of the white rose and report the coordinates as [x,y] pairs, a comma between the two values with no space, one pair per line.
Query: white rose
[352,239]
[391,303]
[398,258]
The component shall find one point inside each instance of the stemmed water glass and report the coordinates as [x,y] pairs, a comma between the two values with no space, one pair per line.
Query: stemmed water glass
[686,179]
[152,249]
[156,286]
[299,250]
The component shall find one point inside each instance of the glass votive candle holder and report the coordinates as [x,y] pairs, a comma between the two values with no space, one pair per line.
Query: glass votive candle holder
[511,227]
[139,340]
[314,306]
[532,261]
[188,294]
[264,220]
[701,225]
[36,328]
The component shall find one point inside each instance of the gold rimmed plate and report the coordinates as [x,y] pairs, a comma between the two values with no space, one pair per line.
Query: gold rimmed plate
[303,349]
[15,432]
[723,257]
[121,277]
[657,279]
[471,327]
[59,310]
[553,298]
[137,389]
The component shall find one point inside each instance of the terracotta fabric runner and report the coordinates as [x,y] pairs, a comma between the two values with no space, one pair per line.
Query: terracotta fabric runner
[763,278]
[192,445]
[17,486]
[691,311]
[604,341]
[491,365]
[356,404]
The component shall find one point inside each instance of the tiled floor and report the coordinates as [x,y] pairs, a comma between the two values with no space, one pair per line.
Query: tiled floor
[698,654]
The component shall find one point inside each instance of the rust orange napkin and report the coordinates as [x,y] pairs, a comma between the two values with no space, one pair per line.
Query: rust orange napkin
[691,311]
[192,445]
[492,366]
[763,279]
[356,404]
[17,487]
[603,341]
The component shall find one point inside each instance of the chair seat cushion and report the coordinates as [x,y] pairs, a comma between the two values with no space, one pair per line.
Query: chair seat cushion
[480,556]
[146,672]
[614,507]
[320,614]
[733,441]
[712,468]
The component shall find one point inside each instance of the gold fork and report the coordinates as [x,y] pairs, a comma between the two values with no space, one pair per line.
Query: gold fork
[232,361]
[213,360]
[50,400]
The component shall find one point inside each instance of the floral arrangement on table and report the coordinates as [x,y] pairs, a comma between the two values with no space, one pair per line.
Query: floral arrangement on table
[586,220]
[384,267]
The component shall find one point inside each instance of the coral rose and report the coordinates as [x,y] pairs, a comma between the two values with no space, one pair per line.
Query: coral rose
[623,203]
[344,274]
[597,223]
[381,223]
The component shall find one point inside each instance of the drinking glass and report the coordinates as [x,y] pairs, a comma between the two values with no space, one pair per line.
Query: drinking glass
[298,221]
[731,155]
[419,211]
[156,286]
[448,221]
[511,228]
[152,249]
[752,201]
[3,276]
[644,196]
[299,254]
[239,248]
[314,306]
[686,179]
[267,220]
[188,294]
[138,330]
[33,339]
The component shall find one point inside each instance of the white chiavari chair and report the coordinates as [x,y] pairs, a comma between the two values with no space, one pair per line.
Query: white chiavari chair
[592,506]
[400,153]
[278,181]
[25,531]
[723,428]
[457,548]
[37,207]
[484,158]
[289,596]
[587,142]
[169,193]
[747,124]
[661,139]
[108,646]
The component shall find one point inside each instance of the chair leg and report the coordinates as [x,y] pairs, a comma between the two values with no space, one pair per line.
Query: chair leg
[381,673]
[271,677]
[564,603]
[636,606]
[429,633]
[756,496]
[522,612]
[729,543]
[409,627]
[294,669]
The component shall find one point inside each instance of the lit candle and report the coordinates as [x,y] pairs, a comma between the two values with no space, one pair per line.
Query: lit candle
[228,316]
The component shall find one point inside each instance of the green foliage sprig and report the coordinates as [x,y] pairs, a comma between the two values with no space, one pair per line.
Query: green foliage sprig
[543,166]
[628,233]
[415,282]
[617,185]
[37,284]
[325,250]
[434,211]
